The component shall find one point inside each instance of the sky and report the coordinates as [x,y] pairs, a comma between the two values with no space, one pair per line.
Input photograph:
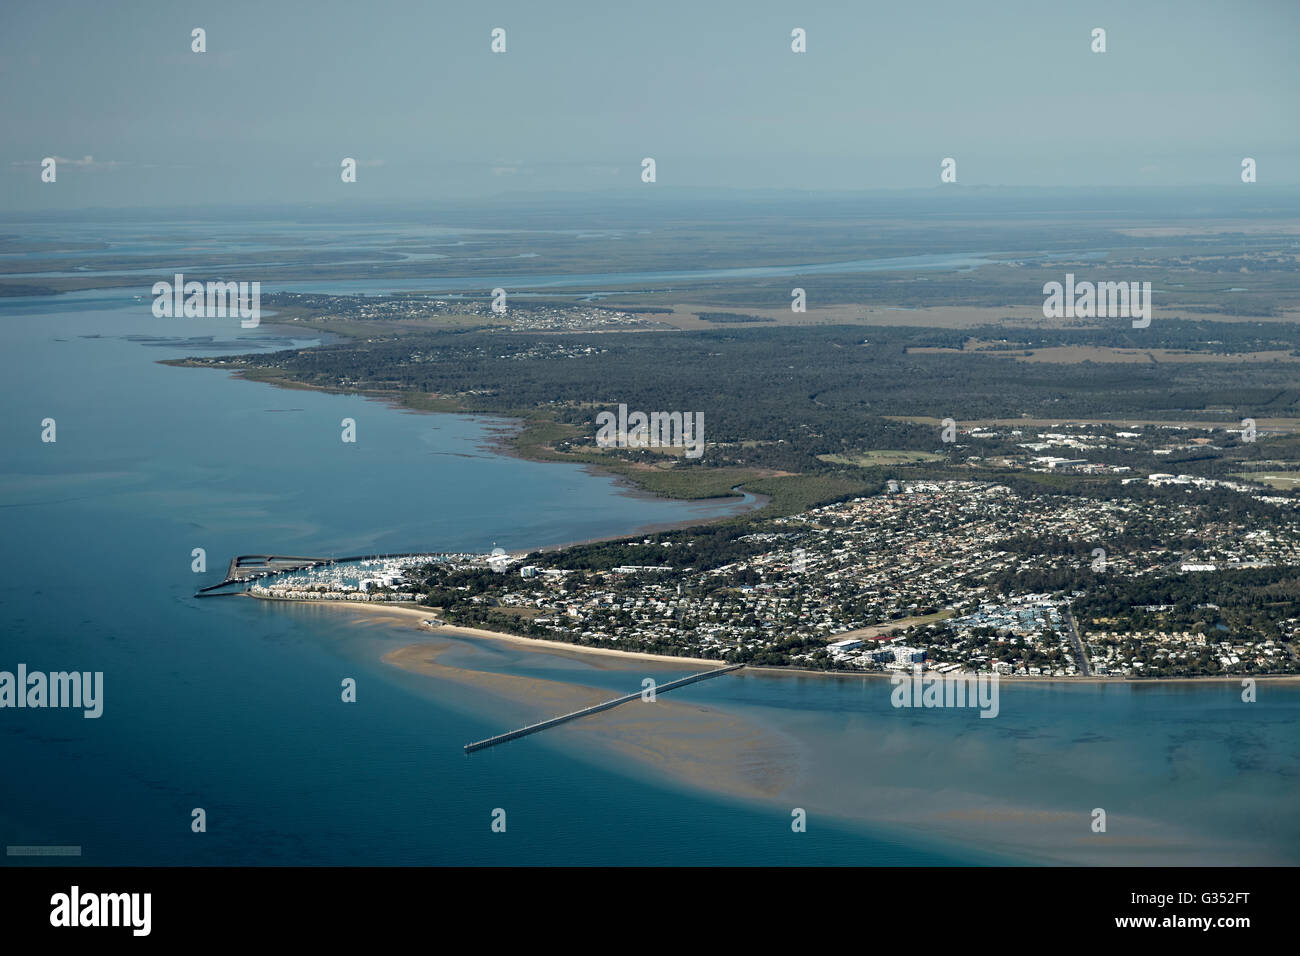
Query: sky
[586,90]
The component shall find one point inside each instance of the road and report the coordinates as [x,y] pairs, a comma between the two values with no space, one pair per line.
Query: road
[1080,658]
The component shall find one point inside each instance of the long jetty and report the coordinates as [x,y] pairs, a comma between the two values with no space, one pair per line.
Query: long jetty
[250,567]
[595,708]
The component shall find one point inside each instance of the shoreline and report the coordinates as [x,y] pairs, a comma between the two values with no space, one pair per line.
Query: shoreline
[538,643]
[726,753]
[500,443]
[626,487]
[460,630]
[721,752]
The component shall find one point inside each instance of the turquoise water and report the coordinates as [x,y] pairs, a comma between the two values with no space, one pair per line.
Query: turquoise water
[233,705]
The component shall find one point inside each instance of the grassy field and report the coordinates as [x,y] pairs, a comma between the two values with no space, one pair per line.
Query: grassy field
[880,456]
[902,624]
[1282,482]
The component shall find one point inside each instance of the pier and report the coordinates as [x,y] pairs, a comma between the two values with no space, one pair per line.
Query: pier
[595,708]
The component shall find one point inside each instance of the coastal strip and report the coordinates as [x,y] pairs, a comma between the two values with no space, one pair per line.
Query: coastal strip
[418,614]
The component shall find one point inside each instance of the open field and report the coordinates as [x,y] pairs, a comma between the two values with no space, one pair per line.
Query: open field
[902,624]
[865,459]
[1282,482]
[685,316]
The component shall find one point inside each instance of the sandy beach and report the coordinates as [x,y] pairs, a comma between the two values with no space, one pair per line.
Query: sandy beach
[415,615]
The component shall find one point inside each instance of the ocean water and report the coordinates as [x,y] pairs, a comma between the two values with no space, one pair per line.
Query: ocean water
[233,705]
[1187,772]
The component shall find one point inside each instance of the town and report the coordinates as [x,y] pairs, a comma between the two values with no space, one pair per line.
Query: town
[950,575]
[531,313]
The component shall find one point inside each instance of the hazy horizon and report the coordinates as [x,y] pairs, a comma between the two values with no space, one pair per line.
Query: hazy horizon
[714,94]
[1168,202]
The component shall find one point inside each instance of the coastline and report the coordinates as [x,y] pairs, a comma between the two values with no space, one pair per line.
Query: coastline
[312,649]
[632,490]
[501,443]
[536,643]
[417,614]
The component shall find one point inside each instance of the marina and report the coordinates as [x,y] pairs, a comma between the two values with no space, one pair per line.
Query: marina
[245,568]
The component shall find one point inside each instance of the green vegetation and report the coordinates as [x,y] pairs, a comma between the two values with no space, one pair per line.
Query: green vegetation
[1232,604]
[809,415]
